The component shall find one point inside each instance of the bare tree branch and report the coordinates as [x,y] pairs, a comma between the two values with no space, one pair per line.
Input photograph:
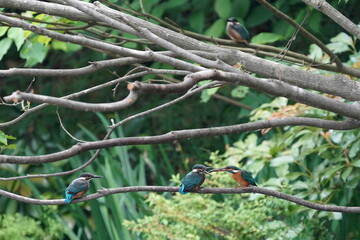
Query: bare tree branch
[331,85]
[108,191]
[92,89]
[270,86]
[180,135]
[327,9]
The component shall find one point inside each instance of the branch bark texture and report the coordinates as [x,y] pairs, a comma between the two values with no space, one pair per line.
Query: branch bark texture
[104,192]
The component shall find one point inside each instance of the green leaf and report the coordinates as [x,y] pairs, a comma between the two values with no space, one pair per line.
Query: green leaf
[3,30]
[173,3]
[58,45]
[336,136]
[239,92]
[300,185]
[33,53]
[158,12]
[17,34]
[3,138]
[281,160]
[356,163]
[216,29]
[223,8]
[148,4]
[344,38]
[197,21]
[42,39]
[294,175]
[265,37]
[346,173]
[338,47]
[330,171]
[11,146]
[282,170]
[207,93]
[341,43]
[5,45]
[354,149]
[258,16]
[315,52]
[241,8]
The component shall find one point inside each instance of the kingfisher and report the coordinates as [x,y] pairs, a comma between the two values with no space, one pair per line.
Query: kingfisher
[194,179]
[79,186]
[243,177]
[236,31]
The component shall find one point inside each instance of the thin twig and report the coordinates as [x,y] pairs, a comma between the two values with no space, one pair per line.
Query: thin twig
[62,126]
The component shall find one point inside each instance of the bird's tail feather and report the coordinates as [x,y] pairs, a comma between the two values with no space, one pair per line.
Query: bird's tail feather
[181,190]
[68,197]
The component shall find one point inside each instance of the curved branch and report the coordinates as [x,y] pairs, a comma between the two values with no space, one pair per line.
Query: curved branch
[270,86]
[92,89]
[180,135]
[108,191]
[335,15]
[92,107]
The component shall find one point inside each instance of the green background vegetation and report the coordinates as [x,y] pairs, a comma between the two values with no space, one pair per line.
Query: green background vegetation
[314,164]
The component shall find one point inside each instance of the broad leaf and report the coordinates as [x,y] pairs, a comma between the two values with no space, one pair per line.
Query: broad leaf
[265,37]
[5,45]
[17,34]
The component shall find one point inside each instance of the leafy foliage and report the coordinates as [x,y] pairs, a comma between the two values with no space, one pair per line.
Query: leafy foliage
[15,226]
[4,141]
[315,164]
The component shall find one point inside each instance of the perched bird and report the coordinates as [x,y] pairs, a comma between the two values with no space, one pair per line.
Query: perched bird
[236,31]
[194,179]
[243,177]
[79,186]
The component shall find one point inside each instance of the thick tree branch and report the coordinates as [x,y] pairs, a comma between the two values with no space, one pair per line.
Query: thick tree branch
[104,192]
[180,135]
[270,86]
[327,9]
[251,63]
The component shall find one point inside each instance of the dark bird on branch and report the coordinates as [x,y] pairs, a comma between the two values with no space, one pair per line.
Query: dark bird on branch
[79,186]
[236,31]
[243,177]
[194,179]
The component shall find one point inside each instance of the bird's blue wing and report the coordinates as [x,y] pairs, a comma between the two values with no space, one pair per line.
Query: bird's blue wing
[242,31]
[192,180]
[247,176]
[76,186]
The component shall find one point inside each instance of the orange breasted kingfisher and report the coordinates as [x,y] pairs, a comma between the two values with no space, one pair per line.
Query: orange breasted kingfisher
[236,31]
[194,179]
[243,177]
[79,186]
